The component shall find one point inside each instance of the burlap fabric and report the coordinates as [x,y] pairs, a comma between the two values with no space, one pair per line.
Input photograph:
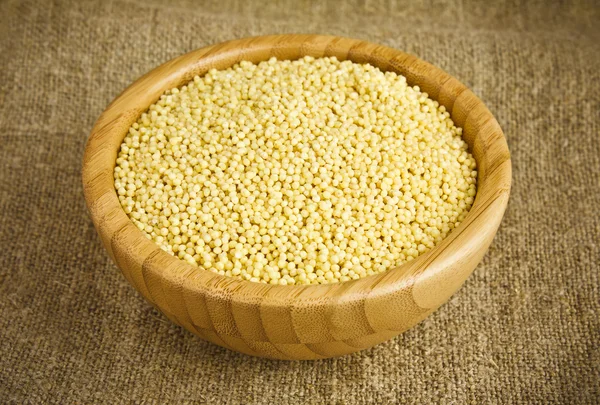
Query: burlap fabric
[525,327]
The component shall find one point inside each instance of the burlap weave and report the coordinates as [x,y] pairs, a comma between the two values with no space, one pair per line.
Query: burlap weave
[525,327]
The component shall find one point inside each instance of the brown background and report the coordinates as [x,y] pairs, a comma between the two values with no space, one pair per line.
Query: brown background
[524,329]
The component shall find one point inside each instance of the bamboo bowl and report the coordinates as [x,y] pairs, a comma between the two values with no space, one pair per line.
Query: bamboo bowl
[297,322]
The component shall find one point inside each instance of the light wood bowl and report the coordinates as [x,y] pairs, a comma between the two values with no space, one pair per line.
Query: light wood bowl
[297,322]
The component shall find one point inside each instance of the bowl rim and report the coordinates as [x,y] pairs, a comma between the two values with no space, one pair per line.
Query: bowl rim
[130,248]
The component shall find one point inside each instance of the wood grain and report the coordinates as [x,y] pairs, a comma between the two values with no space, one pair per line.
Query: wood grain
[297,322]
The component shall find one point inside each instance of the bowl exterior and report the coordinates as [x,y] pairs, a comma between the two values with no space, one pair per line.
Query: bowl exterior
[297,322]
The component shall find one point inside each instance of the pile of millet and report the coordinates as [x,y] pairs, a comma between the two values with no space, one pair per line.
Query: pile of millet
[285,172]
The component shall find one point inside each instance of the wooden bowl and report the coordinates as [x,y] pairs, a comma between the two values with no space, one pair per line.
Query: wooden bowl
[297,322]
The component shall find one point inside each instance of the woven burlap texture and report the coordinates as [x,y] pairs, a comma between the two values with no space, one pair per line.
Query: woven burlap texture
[525,327]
